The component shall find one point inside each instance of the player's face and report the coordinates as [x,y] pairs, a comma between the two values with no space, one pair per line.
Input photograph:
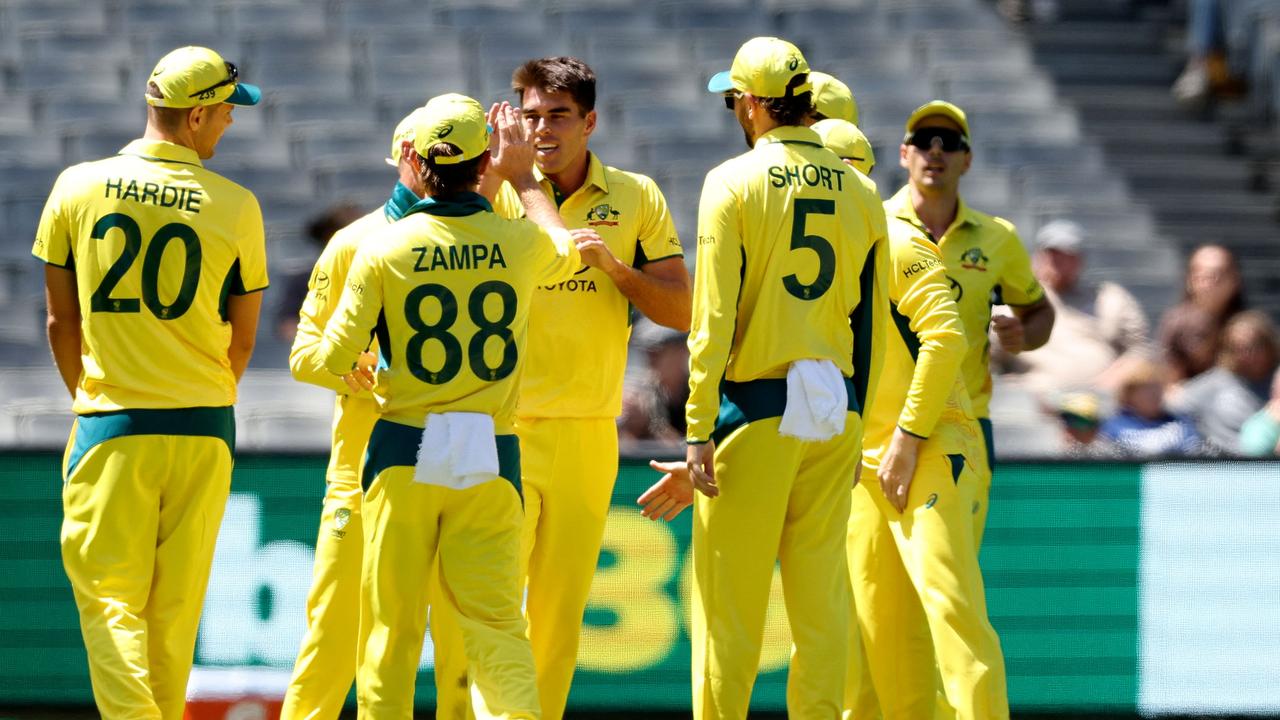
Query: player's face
[935,169]
[210,122]
[558,128]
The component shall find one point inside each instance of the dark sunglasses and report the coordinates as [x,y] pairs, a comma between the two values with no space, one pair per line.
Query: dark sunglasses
[951,140]
[730,97]
[233,74]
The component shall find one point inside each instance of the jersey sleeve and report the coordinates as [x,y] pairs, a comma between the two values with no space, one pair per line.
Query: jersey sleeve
[933,331]
[556,256]
[657,239]
[53,236]
[348,331]
[717,280]
[324,290]
[1018,285]
[252,261]
[870,319]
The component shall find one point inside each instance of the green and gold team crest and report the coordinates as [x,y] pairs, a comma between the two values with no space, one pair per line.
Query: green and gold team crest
[341,518]
[973,259]
[602,214]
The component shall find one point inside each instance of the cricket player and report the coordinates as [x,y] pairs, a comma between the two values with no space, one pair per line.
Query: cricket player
[845,140]
[152,270]
[913,561]
[985,262]
[791,262]
[326,664]
[832,99]
[447,290]
[571,392]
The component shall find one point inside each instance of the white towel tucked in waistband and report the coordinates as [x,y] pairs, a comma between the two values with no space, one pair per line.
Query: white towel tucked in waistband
[458,450]
[817,401]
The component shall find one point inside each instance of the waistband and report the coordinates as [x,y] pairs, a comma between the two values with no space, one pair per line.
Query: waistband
[393,444]
[93,429]
[745,402]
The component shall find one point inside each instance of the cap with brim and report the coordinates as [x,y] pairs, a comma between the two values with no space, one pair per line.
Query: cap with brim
[832,98]
[846,140]
[404,131]
[766,67]
[939,108]
[192,76]
[454,119]
[1061,235]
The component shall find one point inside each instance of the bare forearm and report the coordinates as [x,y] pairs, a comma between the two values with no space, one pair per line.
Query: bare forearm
[666,301]
[1037,323]
[64,342]
[537,206]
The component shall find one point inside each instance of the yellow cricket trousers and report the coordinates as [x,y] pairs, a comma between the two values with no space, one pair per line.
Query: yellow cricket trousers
[326,664]
[920,602]
[982,495]
[785,501]
[568,469]
[143,497]
[474,535]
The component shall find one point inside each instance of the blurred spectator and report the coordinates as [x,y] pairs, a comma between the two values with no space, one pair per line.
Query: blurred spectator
[1097,325]
[1080,415]
[1221,399]
[1207,74]
[294,283]
[1260,435]
[653,408]
[1189,331]
[1142,427]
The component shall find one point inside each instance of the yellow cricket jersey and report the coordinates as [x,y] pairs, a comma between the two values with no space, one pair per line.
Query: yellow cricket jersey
[448,290]
[986,265]
[920,388]
[791,242]
[353,415]
[578,328]
[157,243]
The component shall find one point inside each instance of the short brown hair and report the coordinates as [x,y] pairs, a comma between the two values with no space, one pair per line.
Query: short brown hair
[558,74]
[448,179]
[788,110]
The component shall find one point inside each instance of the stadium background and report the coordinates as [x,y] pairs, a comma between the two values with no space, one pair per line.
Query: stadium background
[1116,588]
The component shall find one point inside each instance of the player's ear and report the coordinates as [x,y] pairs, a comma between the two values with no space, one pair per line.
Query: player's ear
[483,167]
[197,116]
[902,156]
[590,123]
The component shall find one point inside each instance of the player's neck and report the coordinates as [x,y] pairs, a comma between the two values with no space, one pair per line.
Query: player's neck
[154,132]
[937,210]
[573,177]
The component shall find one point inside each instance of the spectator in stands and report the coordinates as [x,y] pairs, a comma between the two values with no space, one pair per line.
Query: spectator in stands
[1260,435]
[319,229]
[1221,399]
[1097,324]
[653,409]
[1207,74]
[1081,418]
[1142,427]
[1189,331]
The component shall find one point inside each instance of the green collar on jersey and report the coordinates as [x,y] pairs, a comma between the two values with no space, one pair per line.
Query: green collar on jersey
[456,205]
[402,198]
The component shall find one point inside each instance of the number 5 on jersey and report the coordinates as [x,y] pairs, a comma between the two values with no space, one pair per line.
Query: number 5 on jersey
[820,245]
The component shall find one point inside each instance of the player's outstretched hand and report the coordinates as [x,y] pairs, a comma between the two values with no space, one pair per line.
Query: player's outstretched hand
[701,460]
[1009,332]
[898,467]
[361,377]
[595,253]
[668,497]
[514,153]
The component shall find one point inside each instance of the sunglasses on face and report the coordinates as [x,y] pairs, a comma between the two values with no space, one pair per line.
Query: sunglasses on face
[233,73]
[948,140]
[730,97]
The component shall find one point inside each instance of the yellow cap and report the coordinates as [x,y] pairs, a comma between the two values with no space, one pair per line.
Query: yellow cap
[943,108]
[846,140]
[192,76]
[766,67]
[404,131]
[832,98]
[454,119]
